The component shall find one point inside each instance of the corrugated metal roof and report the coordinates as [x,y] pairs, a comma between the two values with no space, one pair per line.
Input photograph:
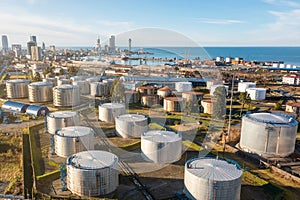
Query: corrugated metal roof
[37,110]
[15,106]
[93,160]
[213,169]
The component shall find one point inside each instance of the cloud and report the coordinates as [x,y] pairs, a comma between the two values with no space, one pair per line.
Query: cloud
[218,21]
[283,3]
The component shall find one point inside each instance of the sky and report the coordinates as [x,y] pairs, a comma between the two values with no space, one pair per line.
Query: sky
[153,22]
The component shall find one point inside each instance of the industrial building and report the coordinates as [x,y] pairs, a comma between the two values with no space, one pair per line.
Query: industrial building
[73,139]
[109,111]
[15,106]
[37,111]
[131,125]
[257,93]
[173,104]
[211,178]
[268,134]
[92,173]
[243,86]
[161,146]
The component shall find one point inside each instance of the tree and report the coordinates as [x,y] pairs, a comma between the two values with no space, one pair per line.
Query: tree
[30,74]
[61,71]
[37,76]
[278,105]
[244,98]
[117,91]
[219,107]
[73,70]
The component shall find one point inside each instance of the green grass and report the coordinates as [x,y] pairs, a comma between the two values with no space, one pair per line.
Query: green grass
[132,145]
[155,126]
[191,145]
[49,176]
[253,180]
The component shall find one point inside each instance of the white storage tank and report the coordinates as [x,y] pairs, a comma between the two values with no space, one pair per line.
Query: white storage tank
[109,111]
[173,104]
[92,173]
[73,139]
[268,134]
[131,125]
[99,89]
[63,82]
[40,92]
[84,87]
[257,93]
[161,146]
[109,83]
[61,119]
[210,83]
[131,96]
[183,86]
[214,87]
[149,100]
[17,88]
[208,105]
[210,178]
[66,95]
[275,65]
[243,86]
[282,65]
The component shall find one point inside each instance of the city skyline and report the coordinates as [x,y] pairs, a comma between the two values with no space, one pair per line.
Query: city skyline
[213,23]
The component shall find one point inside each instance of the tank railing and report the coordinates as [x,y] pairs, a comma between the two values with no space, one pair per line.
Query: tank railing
[212,157]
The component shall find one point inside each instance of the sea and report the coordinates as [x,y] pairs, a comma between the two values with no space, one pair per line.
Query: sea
[288,55]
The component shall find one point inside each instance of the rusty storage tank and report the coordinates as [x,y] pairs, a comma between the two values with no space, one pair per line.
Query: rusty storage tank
[173,104]
[149,100]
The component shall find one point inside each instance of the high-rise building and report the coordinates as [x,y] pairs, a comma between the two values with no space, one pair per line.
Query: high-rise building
[17,49]
[29,45]
[129,44]
[52,48]
[4,44]
[33,38]
[112,44]
[36,53]
[98,45]
[43,46]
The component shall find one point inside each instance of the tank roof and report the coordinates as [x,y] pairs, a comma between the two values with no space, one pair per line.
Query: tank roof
[66,86]
[261,89]
[18,81]
[75,131]
[93,160]
[166,88]
[112,105]
[62,114]
[131,117]
[193,93]
[213,169]
[173,99]
[271,118]
[161,136]
[41,84]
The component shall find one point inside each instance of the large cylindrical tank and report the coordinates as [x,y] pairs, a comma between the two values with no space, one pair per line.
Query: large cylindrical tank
[92,173]
[17,88]
[173,104]
[78,78]
[146,90]
[257,93]
[73,139]
[131,125]
[183,86]
[66,95]
[210,83]
[109,111]
[84,86]
[164,92]
[149,100]
[52,80]
[192,96]
[243,86]
[99,89]
[161,146]
[208,106]
[268,134]
[214,87]
[58,120]
[131,96]
[210,178]
[109,83]
[40,92]
[63,82]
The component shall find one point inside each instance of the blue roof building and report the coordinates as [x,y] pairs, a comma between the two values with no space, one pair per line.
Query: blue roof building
[37,110]
[15,106]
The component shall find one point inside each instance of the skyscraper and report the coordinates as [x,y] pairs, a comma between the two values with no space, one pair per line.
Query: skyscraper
[33,38]
[36,53]
[4,44]
[112,44]
[43,46]
[29,45]
[98,45]
[17,49]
